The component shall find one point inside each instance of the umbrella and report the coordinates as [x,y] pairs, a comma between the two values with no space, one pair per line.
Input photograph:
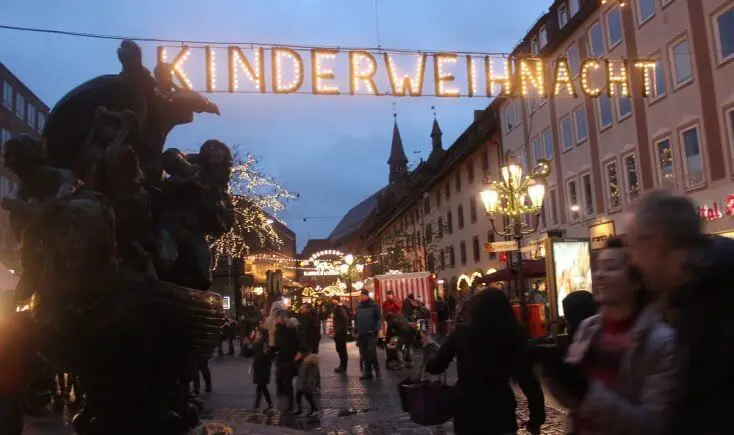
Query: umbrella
[531,269]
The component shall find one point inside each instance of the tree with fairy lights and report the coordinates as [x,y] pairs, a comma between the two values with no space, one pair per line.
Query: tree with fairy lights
[257,199]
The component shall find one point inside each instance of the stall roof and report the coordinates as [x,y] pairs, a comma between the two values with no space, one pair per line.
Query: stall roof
[531,269]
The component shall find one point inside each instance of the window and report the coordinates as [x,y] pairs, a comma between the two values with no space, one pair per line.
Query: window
[596,42]
[624,107]
[548,143]
[462,253]
[4,137]
[543,37]
[448,191]
[426,204]
[613,195]
[604,106]
[429,234]
[553,208]
[473,210]
[614,27]
[567,133]
[516,106]
[588,194]
[534,45]
[630,168]
[439,225]
[538,152]
[562,16]
[665,163]
[574,7]
[680,57]
[692,161]
[645,10]
[449,222]
[724,23]
[658,84]
[438,198]
[460,215]
[470,171]
[490,239]
[442,259]
[574,63]
[458,181]
[8,95]
[573,201]
[543,212]
[475,249]
[485,161]
[31,115]
[20,106]
[452,257]
[582,130]
[509,117]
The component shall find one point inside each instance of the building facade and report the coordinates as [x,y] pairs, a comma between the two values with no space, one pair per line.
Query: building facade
[21,112]
[604,152]
[441,226]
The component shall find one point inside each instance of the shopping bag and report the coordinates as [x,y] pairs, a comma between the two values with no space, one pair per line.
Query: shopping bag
[402,390]
[429,402]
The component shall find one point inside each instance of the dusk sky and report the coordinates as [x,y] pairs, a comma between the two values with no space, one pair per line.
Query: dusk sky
[332,150]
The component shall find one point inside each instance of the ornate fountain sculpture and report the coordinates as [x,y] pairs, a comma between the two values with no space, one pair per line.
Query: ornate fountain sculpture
[115,254]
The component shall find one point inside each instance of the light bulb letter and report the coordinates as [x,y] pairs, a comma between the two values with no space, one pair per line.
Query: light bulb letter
[359,75]
[254,71]
[585,75]
[278,54]
[532,74]
[211,69]
[440,78]
[615,80]
[177,65]
[647,67]
[471,76]
[402,84]
[319,73]
[562,78]
[504,79]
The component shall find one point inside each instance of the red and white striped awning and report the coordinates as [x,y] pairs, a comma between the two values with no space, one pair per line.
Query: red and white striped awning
[420,284]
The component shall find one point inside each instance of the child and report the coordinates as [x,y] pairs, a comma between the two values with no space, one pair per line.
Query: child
[261,368]
[308,382]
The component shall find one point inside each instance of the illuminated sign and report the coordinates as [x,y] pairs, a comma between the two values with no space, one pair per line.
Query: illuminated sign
[600,233]
[323,267]
[249,68]
[716,212]
[225,302]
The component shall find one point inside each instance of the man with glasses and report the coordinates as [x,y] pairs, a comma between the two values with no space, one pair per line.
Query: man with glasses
[694,275]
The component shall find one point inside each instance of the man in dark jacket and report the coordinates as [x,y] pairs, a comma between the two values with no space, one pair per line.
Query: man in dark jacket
[694,276]
[310,328]
[409,306]
[341,329]
[368,325]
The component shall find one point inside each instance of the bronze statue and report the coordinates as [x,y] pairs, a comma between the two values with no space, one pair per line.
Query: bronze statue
[117,257]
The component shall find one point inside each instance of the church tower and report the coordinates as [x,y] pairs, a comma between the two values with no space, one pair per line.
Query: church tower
[437,150]
[398,161]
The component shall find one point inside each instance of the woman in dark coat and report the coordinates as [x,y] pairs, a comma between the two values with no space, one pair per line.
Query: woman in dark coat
[490,351]
[288,344]
[261,365]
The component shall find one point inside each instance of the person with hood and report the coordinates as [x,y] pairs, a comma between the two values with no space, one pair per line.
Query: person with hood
[308,382]
[341,330]
[620,371]
[490,351]
[287,346]
[271,320]
[368,321]
[261,365]
[693,275]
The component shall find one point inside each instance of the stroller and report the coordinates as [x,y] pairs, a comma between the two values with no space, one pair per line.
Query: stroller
[397,326]
[392,354]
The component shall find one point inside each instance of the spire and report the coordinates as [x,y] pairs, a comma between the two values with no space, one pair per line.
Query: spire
[436,133]
[398,161]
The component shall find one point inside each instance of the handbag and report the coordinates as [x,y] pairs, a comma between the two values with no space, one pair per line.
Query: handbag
[428,402]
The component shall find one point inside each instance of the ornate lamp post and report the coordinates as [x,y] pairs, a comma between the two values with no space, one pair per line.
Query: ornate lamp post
[514,197]
[350,270]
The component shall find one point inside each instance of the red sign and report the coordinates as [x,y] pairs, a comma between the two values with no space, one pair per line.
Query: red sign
[715,211]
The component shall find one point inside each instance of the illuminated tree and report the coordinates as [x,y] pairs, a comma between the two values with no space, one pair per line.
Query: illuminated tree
[255,194]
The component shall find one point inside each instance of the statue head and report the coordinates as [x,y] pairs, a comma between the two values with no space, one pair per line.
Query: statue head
[215,160]
[23,152]
[130,55]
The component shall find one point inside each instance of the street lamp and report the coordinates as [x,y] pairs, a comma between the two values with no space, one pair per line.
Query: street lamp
[350,270]
[514,197]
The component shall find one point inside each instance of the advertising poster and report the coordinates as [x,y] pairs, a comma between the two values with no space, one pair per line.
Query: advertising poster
[572,267]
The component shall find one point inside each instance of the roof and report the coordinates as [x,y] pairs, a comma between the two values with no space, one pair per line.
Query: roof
[397,153]
[355,217]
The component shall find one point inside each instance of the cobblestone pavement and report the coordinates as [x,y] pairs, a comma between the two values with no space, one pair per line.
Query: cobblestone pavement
[348,405]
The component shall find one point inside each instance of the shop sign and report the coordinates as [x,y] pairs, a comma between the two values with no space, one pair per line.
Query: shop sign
[716,211]
[501,246]
[600,233]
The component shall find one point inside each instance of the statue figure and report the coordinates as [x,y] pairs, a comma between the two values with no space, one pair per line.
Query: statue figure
[194,204]
[90,214]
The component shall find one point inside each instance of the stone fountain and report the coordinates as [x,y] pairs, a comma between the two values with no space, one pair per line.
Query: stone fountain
[114,245]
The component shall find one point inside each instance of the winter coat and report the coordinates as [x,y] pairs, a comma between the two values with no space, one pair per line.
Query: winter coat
[701,317]
[341,320]
[308,374]
[390,306]
[647,379]
[261,364]
[270,321]
[311,328]
[484,400]
[288,345]
[368,317]
[407,308]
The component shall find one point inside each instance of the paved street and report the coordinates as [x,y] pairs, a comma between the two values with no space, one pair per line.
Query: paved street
[348,405]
